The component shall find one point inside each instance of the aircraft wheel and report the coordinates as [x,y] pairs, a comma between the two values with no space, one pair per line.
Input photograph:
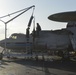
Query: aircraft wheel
[1,56]
[36,57]
[66,55]
[8,57]
[60,53]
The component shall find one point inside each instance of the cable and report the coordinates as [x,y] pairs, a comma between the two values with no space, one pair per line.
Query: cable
[15,12]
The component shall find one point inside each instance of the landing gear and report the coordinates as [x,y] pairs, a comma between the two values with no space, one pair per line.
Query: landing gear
[65,55]
[4,53]
[1,56]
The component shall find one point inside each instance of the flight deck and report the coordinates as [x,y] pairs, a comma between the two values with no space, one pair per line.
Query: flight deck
[36,67]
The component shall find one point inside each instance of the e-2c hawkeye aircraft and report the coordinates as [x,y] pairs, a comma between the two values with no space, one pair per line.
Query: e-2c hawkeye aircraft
[61,42]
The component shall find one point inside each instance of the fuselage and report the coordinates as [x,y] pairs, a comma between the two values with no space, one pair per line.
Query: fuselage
[47,39]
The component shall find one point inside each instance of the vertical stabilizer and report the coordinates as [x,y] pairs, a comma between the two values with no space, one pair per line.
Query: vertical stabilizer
[72,27]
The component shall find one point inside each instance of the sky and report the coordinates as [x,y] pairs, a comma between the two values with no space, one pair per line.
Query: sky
[43,9]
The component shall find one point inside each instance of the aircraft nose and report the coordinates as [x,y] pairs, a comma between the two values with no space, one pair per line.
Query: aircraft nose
[2,43]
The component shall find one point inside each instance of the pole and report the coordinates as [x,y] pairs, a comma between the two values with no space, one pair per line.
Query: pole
[5,33]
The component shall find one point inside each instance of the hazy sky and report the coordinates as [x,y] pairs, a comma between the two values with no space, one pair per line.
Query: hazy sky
[43,8]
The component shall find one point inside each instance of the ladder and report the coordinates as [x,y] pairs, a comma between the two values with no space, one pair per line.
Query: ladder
[73,42]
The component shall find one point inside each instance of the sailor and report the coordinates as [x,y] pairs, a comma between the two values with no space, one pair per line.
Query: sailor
[38,29]
[27,32]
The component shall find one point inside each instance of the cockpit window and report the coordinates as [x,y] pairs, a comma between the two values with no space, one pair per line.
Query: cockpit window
[14,37]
